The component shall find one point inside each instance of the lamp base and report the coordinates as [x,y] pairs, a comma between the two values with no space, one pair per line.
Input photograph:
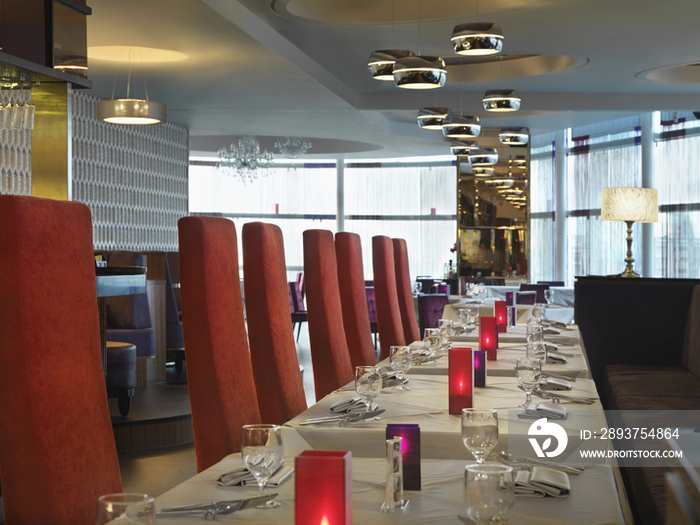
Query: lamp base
[629,272]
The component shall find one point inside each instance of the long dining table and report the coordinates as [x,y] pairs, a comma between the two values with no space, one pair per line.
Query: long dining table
[597,496]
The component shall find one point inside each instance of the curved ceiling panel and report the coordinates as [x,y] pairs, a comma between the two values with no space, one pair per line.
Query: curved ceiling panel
[135,54]
[380,11]
[319,146]
[492,68]
[685,74]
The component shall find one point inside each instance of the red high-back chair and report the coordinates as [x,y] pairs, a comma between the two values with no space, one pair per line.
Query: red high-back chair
[57,451]
[219,372]
[353,298]
[404,291]
[272,349]
[388,314]
[329,350]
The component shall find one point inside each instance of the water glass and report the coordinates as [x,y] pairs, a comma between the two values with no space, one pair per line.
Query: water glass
[261,450]
[489,493]
[533,330]
[401,360]
[479,431]
[538,311]
[368,383]
[432,339]
[529,372]
[536,350]
[127,508]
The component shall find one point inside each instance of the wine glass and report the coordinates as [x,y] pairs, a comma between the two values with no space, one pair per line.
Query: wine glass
[368,383]
[401,359]
[470,288]
[489,493]
[529,372]
[479,431]
[261,450]
[538,311]
[127,508]
[446,326]
[432,339]
[548,296]
[533,331]
[537,350]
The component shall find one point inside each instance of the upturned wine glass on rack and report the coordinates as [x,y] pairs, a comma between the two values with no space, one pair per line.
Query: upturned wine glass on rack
[368,383]
[261,450]
[529,372]
[479,431]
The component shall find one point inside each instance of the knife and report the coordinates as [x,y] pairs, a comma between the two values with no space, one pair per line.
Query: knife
[212,509]
[350,418]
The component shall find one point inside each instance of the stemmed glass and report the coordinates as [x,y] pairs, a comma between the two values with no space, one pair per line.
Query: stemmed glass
[446,326]
[401,359]
[529,372]
[533,331]
[537,350]
[479,431]
[368,383]
[126,508]
[261,450]
[538,311]
[548,296]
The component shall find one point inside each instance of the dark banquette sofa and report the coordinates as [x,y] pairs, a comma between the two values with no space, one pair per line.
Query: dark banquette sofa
[642,339]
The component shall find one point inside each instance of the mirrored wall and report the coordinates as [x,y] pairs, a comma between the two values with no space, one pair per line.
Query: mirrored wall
[492,212]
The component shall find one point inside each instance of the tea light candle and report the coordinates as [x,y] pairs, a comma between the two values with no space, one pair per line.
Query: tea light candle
[410,453]
[488,337]
[499,312]
[461,379]
[323,488]
[479,368]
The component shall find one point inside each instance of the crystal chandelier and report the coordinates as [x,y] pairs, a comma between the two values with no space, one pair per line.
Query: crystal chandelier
[246,159]
[292,147]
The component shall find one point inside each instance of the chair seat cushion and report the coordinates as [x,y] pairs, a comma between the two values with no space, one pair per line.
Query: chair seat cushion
[121,366]
[648,381]
[144,339]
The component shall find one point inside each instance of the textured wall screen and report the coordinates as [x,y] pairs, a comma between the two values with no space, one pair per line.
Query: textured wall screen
[133,178]
[16,166]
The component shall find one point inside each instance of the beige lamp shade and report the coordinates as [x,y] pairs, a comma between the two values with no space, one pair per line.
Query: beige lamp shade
[630,204]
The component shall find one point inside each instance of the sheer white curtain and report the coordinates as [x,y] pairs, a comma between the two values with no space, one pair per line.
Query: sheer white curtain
[598,247]
[414,202]
[542,233]
[677,234]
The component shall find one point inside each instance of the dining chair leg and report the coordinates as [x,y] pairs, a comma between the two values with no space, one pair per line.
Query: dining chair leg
[299,332]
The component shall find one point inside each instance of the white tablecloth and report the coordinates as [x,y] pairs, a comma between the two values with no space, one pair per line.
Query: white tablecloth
[562,314]
[441,500]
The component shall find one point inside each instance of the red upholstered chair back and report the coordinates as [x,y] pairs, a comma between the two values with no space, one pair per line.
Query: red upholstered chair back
[353,298]
[404,291]
[388,314]
[273,352]
[57,451]
[219,372]
[329,350]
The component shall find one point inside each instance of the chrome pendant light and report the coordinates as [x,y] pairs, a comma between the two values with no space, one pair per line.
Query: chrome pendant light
[514,136]
[420,72]
[501,100]
[477,39]
[381,63]
[461,127]
[485,157]
[432,118]
[520,162]
[482,171]
[500,183]
[463,147]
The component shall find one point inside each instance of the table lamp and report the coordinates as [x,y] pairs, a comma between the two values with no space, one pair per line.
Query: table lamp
[630,205]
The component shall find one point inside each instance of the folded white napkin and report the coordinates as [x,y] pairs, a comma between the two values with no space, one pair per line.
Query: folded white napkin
[555,384]
[543,409]
[242,476]
[550,331]
[551,347]
[541,482]
[353,405]
[555,358]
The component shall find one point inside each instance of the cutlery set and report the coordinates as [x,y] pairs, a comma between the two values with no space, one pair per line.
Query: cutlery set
[216,508]
[345,419]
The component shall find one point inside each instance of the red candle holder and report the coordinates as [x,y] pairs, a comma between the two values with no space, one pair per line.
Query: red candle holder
[410,453]
[479,368]
[323,488]
[461,379]
[488,337]
[501,315]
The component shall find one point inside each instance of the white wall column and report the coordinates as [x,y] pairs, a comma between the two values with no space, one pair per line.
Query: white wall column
[340,186]
[560,204]
[648,243]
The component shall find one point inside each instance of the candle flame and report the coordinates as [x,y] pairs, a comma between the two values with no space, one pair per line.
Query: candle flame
[488,340]
[324,521]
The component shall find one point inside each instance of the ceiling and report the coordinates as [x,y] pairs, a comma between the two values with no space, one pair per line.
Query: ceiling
[273,68]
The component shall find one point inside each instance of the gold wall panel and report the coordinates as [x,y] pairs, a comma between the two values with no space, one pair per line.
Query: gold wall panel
[50,141]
